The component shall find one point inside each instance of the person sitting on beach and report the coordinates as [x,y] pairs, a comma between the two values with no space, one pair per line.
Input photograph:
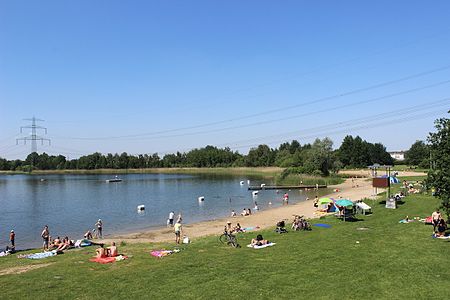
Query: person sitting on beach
[233,213]
[88,235]
[244,212]
[55,243]
[259,241]
[101,252]
[249,211]
[237,228]
[441,228]
[316,202]
[111,251]
[66,244]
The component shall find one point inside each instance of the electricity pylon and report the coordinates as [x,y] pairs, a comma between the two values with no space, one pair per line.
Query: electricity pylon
[33,136]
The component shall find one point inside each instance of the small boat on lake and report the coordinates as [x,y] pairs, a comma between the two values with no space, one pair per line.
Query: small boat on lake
[115,179]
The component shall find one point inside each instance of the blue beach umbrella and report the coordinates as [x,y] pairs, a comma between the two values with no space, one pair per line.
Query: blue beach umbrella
[344,202]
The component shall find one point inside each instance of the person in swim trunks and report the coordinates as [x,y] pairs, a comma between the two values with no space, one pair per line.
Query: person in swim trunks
[436,216]
[46,237]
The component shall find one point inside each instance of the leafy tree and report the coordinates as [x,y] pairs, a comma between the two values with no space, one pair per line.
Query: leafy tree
[418,154]
[320,159]
[262,156]
[439,175]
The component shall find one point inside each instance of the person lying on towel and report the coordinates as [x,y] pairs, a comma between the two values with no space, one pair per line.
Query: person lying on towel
[259,241]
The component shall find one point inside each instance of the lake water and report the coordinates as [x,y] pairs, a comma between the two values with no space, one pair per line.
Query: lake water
[71,204]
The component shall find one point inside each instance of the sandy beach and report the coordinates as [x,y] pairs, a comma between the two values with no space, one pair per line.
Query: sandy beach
[263,219]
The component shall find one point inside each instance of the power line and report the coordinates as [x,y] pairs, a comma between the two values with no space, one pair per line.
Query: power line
[349,125]
[315,101]
[328,109]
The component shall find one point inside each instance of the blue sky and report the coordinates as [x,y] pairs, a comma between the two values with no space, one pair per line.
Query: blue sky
[167,76]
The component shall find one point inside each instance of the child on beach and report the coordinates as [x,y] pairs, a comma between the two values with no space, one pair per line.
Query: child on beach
[178,231]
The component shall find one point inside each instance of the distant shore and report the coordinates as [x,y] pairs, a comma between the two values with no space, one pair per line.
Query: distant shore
[261,171]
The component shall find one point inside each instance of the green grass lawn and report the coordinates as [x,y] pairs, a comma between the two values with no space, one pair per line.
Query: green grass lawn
[391,261]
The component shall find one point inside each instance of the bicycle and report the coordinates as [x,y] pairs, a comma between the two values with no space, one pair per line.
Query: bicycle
[229,239]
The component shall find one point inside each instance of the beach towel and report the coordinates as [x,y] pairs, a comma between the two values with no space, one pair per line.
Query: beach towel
[4,253]
[163,253]
[322,225]
[405,221]
[262,246]
[107,260]
[245,229]
[446,237]
[82,243]
[429,220]
[39,255]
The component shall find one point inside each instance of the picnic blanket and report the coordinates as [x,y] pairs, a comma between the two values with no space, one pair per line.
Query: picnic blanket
[39,255]
[108,259]
[322,225]
[262,246]
[163,253]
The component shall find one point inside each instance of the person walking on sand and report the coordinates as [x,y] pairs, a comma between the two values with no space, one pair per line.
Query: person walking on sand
[45,237]
[99,231]
[178,230]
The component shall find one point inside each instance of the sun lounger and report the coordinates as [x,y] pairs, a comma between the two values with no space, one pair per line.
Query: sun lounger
[363,208]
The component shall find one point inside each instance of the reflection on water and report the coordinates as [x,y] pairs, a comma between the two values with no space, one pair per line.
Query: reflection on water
[71,204]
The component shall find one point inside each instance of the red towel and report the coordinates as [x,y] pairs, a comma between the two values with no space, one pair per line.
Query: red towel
[103,260]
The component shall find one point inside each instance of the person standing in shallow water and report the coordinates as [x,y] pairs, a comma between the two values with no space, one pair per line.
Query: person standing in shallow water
[171,216]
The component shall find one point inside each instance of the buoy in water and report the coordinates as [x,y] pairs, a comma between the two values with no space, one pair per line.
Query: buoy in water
[242,182]
[201,199]
[141,207]
[255,193]
[263,185]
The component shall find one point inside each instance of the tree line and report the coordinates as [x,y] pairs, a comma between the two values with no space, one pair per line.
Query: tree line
[317,158]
